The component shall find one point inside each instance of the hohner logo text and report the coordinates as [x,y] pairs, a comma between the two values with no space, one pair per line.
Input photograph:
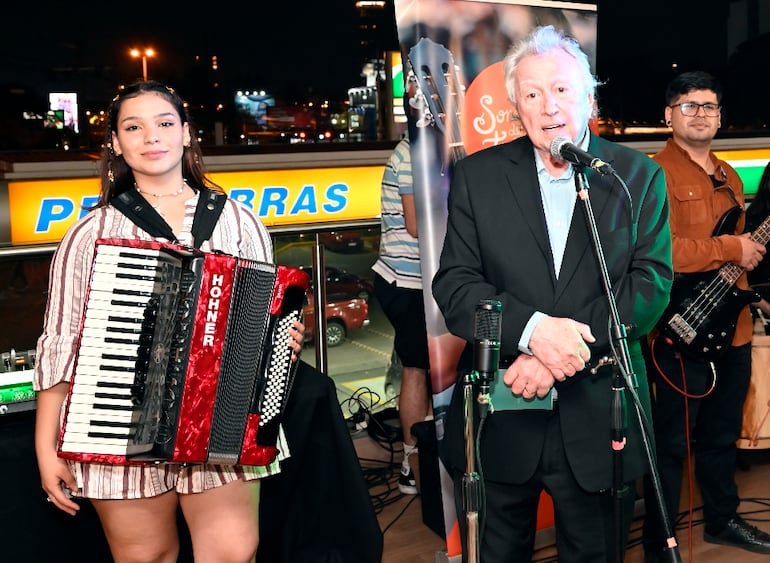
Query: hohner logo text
[212,309]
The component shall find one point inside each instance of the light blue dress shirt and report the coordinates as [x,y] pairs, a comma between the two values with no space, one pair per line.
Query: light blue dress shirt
[558,196]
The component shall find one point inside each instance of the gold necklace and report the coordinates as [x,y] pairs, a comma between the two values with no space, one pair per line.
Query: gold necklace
[156,207]
[176,193]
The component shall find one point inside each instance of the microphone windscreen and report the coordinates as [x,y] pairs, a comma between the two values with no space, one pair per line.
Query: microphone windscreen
[556,146]
[487,325]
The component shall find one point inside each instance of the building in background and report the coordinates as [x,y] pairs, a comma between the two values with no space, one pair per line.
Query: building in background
[225,59]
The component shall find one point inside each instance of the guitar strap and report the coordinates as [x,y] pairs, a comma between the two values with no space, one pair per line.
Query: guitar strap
[144,216]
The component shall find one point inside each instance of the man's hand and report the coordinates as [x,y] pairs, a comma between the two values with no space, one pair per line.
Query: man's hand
[751,252]
[560,344]
[528,377]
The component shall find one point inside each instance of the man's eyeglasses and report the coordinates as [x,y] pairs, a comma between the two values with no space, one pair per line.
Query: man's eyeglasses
[690,109]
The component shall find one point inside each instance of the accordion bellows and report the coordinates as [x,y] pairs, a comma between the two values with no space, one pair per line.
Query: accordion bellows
[183,357]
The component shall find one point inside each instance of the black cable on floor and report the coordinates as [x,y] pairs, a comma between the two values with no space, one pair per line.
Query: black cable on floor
[381,475]
[400,514]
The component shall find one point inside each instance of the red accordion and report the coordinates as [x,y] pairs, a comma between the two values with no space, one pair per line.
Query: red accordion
[183,357]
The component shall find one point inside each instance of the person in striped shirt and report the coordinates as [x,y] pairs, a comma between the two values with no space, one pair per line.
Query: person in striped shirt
[398,286]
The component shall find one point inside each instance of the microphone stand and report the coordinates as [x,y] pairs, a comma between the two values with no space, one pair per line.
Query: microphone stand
[471,485]
[623,379]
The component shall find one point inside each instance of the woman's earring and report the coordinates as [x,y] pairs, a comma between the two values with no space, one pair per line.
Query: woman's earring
[110,175]
[668,123]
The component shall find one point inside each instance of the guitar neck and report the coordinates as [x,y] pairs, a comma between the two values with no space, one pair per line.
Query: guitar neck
[730,272]
[439,81]
[762,233]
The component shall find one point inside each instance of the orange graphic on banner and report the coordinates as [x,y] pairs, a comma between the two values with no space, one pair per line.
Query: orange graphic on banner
[489,118]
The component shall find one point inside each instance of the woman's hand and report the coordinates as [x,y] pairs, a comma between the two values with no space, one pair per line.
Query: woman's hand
[296,338]
[55,475]
[58,482]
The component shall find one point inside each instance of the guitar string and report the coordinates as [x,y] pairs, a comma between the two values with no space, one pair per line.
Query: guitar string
[761,235]
[712,294]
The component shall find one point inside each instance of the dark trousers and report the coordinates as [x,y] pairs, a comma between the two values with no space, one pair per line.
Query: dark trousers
[713,423]
[584,521]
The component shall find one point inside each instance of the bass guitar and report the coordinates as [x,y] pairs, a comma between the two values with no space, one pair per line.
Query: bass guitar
[704,306]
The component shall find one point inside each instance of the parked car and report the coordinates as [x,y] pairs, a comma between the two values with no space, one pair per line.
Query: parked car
[342,241]
[342,316]
[341,284]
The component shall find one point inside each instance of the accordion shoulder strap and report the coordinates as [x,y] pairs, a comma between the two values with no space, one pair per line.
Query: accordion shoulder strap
[144,216]
[136,208]
[210,205]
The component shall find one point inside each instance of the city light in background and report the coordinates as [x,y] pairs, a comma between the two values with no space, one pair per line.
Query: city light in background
[358,70]
[145,54]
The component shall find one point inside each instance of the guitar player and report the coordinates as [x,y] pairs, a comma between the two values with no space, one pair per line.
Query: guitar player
[696,395]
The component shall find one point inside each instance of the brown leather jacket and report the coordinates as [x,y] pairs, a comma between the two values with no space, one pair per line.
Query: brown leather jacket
[696,208]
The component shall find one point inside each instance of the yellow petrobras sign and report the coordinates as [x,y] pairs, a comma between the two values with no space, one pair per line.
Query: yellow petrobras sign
[42,210]
[749,163]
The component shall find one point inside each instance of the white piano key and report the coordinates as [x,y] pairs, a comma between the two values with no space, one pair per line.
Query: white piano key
[107,446]
[112,324]
[97,311]
[103,403]
[126,258]
[77,414]
[106,364]
[109,340]
[94,385]
[79,445]
[86,426]
[93,342]
[108,279]
[90,386]
[98,298]
[104,379]
[128,264]
[83,393]
[106,249]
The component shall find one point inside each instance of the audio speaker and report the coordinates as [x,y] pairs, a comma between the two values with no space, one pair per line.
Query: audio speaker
[430,478]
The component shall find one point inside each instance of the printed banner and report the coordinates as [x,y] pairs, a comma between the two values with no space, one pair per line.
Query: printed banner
[453,52]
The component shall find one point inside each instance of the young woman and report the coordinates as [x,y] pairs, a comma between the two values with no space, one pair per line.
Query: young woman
[150,152]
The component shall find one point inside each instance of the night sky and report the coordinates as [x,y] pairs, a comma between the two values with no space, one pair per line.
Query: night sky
[261,43]
[296,48]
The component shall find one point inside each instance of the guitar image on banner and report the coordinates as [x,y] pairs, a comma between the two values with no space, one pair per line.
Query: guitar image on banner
[439,84]
[703,310]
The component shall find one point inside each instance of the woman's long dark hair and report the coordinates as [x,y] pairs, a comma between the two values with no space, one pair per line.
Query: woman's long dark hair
[116,176]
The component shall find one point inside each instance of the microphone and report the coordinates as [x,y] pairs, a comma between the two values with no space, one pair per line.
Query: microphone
[486,336]
[562,148]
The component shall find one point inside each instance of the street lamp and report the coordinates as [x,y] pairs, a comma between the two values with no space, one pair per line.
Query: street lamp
[136,53]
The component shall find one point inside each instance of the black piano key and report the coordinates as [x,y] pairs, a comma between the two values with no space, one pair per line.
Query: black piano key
[112,424]
[110,407]
[113,385]
[108,435]
[117,396]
